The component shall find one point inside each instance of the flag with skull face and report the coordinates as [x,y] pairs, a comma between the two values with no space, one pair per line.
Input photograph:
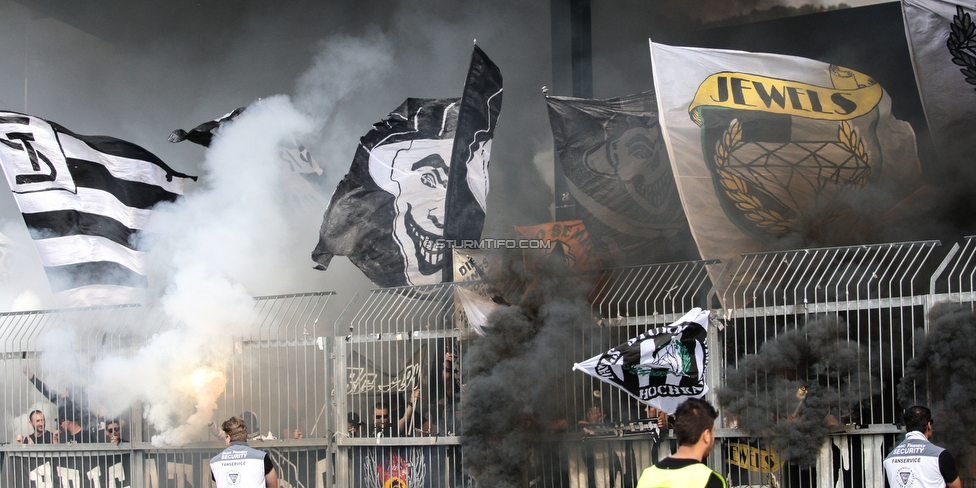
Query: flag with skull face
[617,169]
[387,214]
[418,180]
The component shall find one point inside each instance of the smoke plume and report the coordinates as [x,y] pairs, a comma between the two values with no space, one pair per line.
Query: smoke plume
[513,375]
[763,392]
[238,236]
[944,365]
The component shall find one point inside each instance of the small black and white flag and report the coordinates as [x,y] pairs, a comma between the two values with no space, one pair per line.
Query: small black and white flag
[204,133]
[418,181]
[303,181]
[85,199]
[661,367]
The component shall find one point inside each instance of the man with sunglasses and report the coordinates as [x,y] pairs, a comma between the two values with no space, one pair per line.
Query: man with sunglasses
[112,432]
[916,462]
[382,426]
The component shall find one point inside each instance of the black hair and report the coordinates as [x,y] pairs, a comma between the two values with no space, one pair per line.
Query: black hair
[916,418]
[693,417]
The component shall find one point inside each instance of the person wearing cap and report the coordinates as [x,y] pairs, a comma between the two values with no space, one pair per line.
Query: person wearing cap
[916,461]
[694,425]
[71,428]
[239,465]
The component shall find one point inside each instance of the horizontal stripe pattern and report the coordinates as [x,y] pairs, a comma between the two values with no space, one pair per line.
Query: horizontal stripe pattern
[86,237]
[72,223]
[89,295]
[134,194]
[124,168]
[76,249]
[94,273]
[86,200]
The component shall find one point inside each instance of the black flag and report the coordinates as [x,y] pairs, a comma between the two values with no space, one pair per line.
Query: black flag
[203,133]
[387,214]
[302,179]
[467,194]
[418,179]
[617,169]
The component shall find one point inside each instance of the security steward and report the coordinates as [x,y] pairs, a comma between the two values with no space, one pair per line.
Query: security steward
[916,462]
[239,465]
[694,426]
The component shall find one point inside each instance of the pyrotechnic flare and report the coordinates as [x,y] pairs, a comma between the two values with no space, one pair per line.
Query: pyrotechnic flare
[801,393]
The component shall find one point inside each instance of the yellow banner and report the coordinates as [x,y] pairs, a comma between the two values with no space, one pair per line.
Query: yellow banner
[753,458]
[853,94]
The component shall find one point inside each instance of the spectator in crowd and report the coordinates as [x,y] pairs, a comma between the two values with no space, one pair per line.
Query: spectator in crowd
[382,418]
[239,465]
[694,425]
[62,399]
[382,427]
[292,434]
[594,417]
[448,420]
[72,430]
[112,432]
[663,424]
[40,435]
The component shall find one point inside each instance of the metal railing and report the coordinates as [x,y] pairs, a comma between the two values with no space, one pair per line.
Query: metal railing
[377,396]
[277,378]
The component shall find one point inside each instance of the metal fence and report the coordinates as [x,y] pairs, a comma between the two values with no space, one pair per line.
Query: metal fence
[400,353]
[377,396]
[278,379]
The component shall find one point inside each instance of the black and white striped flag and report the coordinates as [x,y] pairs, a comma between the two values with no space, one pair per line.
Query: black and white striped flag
[85,199]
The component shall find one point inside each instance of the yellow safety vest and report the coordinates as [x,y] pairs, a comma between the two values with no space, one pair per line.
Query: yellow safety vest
[692,476]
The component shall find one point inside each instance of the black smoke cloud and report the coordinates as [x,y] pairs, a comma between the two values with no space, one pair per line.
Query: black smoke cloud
[945,366]
[761,392]
[512,396]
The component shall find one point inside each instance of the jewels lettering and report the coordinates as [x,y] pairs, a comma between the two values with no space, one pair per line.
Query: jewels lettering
[852,95]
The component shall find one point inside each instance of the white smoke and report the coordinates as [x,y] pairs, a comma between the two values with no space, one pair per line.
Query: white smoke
[23,285]
[234,237]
